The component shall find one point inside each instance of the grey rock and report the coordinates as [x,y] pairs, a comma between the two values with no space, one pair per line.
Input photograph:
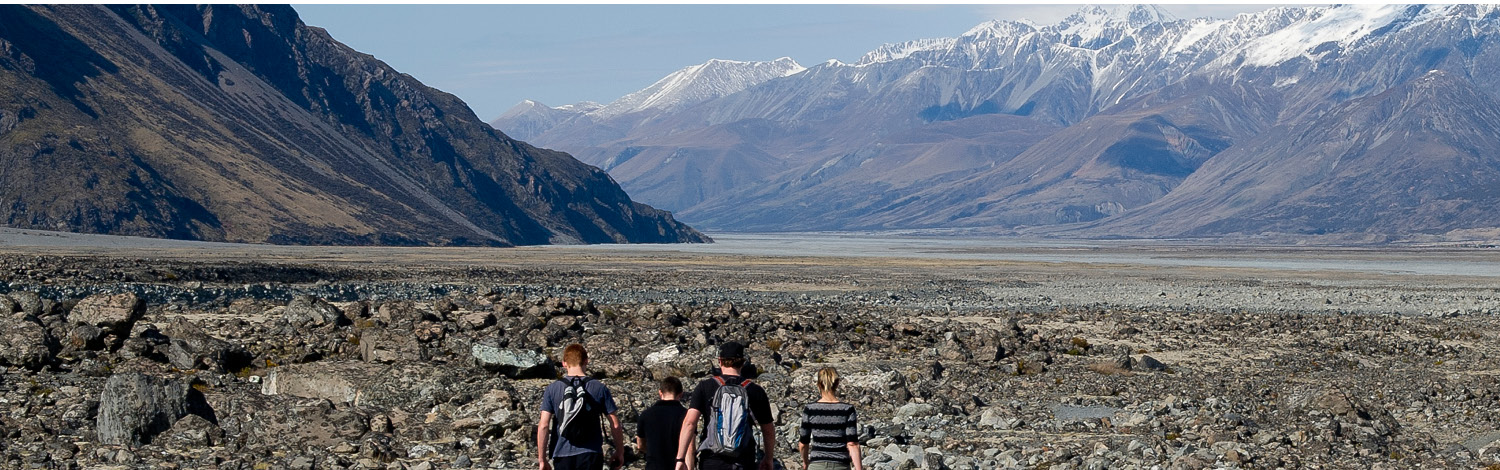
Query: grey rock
[335,382]
[191,348]
[24,343]
[312,312]
[134,407]
[1150,363]
[28,302]
[114,314]
[512,363]
[84,338]
[420,450]
[915,410]
[386,347]
[192,431]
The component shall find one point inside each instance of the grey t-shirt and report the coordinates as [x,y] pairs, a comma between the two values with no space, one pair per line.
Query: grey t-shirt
[593,440]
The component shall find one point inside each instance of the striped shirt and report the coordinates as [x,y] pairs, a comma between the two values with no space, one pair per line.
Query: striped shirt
[827,429]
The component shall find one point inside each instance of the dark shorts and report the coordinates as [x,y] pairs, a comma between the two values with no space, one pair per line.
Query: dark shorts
[718,464]
[584,461]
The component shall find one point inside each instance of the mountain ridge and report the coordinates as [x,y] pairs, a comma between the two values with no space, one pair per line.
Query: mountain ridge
[229,123]
[1133,103]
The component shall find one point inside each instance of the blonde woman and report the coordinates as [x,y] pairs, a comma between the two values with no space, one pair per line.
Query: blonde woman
[830,429]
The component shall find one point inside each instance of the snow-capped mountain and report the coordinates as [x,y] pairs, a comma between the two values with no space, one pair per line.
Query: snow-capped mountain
[1016,124]
[529,119]
[699,83]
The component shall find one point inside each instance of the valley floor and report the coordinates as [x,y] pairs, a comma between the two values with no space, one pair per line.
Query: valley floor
[960,353]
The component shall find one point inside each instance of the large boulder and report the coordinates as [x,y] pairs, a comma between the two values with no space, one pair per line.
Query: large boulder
[385,346]
[514,363]
[376,386]
[29,302]
[134,407]
[312,312]
[114,314]
[271,421]
[335,382]
[191,348]
[24,343]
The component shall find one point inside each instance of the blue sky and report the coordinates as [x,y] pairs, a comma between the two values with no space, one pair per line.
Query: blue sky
[494,56]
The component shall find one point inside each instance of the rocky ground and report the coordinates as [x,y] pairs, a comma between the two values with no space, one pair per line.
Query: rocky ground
[436,359]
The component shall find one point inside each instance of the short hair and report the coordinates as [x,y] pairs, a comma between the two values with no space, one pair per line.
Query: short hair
[575,355]
[828,380]
[671,386]
[735,362]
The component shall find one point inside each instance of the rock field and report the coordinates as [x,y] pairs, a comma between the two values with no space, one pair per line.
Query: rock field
[377,362]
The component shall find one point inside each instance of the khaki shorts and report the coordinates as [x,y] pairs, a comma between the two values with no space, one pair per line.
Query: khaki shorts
[826,465]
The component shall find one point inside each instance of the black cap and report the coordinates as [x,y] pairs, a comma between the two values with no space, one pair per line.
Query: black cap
[731,350]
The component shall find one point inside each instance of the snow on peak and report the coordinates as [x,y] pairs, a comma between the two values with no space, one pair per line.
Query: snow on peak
[1096,17]
[901,50]
[1343,25]
[580,107]
[699,83]
[1094,26]
[525,106]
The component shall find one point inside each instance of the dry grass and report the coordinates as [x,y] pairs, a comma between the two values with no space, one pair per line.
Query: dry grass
[1109,368]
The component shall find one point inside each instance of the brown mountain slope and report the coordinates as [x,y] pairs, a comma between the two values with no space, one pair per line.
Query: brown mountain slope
[240,123]
[1418,158]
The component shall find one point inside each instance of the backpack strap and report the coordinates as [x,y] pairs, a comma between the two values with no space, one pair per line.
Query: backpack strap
[719,379]
[746,383]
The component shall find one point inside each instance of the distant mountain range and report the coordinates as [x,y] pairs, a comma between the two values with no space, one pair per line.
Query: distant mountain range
[1368,122]
[240,123]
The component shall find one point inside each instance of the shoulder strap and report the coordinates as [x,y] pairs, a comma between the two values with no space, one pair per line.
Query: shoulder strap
[746,383]
[719,379]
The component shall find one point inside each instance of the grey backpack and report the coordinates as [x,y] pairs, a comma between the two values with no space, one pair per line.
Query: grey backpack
[728,432]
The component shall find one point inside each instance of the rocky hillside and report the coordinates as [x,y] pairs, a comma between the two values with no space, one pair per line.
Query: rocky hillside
[1114,121]
[240,123]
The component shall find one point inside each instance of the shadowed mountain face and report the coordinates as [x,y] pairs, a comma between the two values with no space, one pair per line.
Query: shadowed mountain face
[1117,121]
[239,123]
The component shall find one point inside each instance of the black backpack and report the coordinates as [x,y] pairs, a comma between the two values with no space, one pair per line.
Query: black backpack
[575,412]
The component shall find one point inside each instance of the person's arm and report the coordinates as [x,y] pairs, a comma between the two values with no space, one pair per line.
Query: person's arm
[640,433]
[768,434]
[617,433]
[542,425]
[802,449]
[692,457]
[804,436]
[686,436]
[851,433]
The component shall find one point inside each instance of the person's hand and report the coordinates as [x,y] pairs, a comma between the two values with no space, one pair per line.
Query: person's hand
[618,460]
[767,464]
[682,465]
[544,465]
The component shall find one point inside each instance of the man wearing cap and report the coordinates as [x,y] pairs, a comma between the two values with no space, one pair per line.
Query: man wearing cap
[700,404]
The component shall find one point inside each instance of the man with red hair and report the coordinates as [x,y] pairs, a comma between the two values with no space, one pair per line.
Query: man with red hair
[577,401]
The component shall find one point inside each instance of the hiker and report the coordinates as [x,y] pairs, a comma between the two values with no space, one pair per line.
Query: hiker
[660,425]
[730,406]
[830,429]
[577,401]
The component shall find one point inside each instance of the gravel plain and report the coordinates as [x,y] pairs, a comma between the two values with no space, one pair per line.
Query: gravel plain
[960,354]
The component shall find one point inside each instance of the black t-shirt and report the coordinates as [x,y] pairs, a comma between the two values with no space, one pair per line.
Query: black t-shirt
[661,426]
[702,400]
